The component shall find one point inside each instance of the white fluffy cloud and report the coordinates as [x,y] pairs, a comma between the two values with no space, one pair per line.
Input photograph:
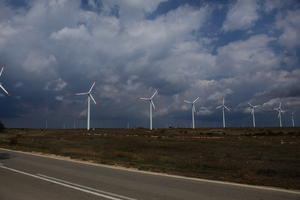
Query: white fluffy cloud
[38,62]
[60,47]
[290,27]
[242,15]
[251,55]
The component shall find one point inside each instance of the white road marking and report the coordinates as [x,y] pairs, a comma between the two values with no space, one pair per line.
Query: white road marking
[270,188]
[73,186]
[84,187]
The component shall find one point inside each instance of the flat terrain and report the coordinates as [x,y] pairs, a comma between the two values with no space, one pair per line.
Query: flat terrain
[31,177]
[261,156]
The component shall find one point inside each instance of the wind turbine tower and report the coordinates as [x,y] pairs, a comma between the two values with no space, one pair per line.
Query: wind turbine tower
[293,121]
[151,105]
[1,86]
[193,110]
[252,107]
[89,97]
[223,106]
[279,110]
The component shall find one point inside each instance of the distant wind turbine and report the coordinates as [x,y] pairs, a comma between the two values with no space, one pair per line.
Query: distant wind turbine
[1,86]
[223,111]
[193,110]
[151,104]
[89,95]
[293,121]
[252,107]
[279,110]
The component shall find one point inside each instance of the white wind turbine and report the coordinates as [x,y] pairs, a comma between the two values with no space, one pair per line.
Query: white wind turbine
[89,95]
[293,121]
[223,111]
[193,110]
[252,107]
[151,104]
[279,110]
[1,86]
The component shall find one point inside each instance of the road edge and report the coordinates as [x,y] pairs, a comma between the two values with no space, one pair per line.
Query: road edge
[64,158]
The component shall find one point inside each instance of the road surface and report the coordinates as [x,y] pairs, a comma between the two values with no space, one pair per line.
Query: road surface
[31,177]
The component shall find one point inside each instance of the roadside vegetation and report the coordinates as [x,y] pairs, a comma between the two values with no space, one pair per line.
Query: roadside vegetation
[2,127]
[261,156]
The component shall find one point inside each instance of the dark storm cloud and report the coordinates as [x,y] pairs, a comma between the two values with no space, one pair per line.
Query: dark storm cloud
[281,92]
[56,48]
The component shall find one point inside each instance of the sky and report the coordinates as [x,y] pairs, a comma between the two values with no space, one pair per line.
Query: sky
[243,50]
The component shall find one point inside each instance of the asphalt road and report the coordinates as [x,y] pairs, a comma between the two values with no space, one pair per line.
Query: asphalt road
[26,177]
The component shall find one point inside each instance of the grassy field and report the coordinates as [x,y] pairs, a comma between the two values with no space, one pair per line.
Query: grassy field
[261,156]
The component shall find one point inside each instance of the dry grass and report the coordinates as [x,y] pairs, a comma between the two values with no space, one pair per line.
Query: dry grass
[263,156]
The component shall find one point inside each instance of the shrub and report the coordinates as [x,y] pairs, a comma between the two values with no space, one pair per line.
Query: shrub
[2,127]
[13,141]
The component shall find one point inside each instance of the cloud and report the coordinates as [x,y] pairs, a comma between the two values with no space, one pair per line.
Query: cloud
[59,98]
[36,62]
[57,48]
[56,85]
[290,27]
[287,85]
[5,32]
[78,33]
[242,15]
[248,56]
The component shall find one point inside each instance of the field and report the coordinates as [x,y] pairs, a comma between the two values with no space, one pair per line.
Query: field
[261,156]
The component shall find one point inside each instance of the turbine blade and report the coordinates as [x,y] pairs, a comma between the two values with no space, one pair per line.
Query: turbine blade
[154,94]
[4,89]
[152,104]
[250,105]
[196,100]
[1,71]
[187,101]
[92,87]
[226,108]
[146,99]
[218,107]
[84,93]
[93,99]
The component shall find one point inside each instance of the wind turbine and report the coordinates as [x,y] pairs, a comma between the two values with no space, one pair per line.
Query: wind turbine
[151,104]
[1,86]
[223,110]
[193,110]
[89,95]
[279,110]
[252,107]
[293,121]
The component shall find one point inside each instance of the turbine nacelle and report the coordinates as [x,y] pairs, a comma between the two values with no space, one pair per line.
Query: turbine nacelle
[223,105]
[89,93]
[279,110]
[252,107]
[90,96]
[150,99]
[193,103]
